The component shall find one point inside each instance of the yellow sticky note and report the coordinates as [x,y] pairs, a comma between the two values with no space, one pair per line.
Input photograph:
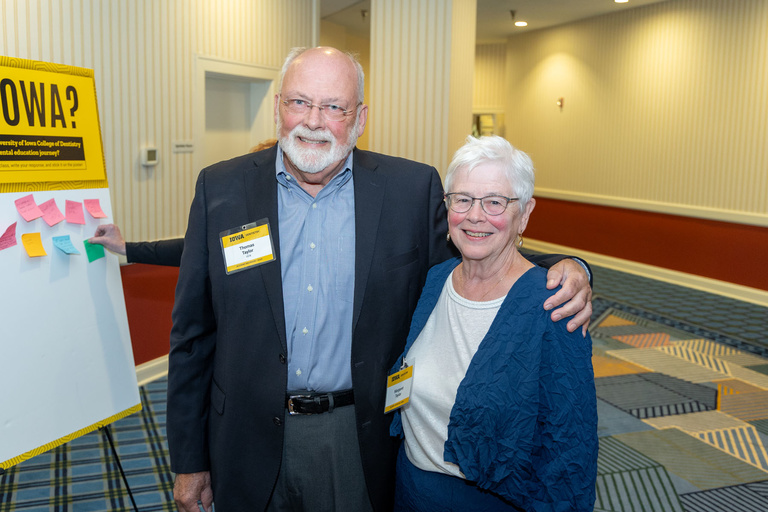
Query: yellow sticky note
[33,244]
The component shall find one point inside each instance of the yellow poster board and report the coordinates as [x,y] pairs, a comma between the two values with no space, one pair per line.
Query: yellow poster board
[65,343]
[49,125]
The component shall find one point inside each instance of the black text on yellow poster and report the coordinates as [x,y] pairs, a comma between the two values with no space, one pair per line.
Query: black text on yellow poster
[49,123]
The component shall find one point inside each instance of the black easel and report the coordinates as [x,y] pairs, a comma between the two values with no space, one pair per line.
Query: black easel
[108,434]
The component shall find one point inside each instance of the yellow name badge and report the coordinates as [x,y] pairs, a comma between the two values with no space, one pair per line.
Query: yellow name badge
[247,246]
[398,389]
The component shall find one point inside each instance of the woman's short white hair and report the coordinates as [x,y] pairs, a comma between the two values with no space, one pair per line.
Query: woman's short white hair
[517,166]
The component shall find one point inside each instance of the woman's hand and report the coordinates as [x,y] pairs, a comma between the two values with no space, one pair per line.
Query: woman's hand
[575,296]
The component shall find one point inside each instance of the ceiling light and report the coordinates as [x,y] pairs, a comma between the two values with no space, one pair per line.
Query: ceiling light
[621,1]
[518,23]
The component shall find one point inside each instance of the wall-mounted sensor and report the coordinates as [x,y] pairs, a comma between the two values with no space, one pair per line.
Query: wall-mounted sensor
[148,156]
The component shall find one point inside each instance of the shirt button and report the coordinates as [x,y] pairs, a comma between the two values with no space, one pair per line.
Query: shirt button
[282,358]
[298,372]
[277,421]
[305,330]
[309,288]
[288,177]
[314,205]
[312,245]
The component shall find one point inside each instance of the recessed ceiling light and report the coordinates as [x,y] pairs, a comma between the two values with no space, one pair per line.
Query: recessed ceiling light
[521,23]
[621,1]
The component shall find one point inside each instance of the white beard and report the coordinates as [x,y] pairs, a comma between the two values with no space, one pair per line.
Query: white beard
[313,161]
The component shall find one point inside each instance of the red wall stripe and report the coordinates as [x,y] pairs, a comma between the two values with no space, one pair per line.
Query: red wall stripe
[735,253]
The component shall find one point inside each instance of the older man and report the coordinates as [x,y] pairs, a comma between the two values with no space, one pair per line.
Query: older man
[279,358]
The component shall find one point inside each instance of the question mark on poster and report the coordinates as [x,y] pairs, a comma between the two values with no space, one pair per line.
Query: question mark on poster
[71,91]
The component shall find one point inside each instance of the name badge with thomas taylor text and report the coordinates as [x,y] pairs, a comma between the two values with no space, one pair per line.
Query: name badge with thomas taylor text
[247,246]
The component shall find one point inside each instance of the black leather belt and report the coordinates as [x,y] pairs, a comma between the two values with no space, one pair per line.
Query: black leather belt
[318,403]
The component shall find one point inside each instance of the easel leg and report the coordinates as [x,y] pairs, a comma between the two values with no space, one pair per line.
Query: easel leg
[108,434]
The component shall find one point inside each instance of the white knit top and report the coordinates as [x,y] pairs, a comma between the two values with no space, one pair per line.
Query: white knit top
[440,356]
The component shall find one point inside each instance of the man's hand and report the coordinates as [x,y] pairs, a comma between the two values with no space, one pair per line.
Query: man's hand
[110,237]
[576,294]
[189,488]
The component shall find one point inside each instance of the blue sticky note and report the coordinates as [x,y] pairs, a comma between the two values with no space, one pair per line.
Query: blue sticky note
[64,244]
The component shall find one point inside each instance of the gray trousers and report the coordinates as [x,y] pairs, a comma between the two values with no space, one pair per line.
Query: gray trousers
[321,469]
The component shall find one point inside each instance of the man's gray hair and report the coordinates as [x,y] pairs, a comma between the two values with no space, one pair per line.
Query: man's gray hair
[517,166]
[295,52]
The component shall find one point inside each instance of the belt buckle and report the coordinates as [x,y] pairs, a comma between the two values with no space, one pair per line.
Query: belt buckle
[291,409]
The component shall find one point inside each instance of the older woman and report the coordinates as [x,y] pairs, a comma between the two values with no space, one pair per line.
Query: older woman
[502,412]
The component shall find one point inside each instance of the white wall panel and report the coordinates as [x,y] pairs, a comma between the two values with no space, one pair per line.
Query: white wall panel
[489,93]
[462,70]
[411,77]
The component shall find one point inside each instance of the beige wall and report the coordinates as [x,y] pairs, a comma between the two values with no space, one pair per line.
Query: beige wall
[489,92]
[665,108]
[337,36]
[420,88]
[143,53]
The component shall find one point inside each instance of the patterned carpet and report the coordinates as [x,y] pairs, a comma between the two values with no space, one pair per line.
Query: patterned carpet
[683,420]
[683,416]
[83,475]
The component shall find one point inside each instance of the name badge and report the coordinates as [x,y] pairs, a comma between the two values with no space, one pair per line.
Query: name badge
[247,246]
[398,389]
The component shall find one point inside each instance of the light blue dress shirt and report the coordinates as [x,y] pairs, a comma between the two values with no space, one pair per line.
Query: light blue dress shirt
[317,249]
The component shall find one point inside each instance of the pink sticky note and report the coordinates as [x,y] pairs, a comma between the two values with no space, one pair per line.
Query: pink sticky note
[94,208]
[28,208]
[51,213]
[74,211]
[9,237]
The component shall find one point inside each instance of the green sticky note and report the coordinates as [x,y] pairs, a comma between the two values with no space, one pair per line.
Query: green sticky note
[94,251]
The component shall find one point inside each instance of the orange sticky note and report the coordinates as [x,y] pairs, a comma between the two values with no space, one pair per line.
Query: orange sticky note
[51,213]
[94,208]
[74,211]
[33,244]
[28,208]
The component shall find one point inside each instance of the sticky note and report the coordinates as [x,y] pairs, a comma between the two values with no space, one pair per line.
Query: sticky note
[33,244]
[94,208]
[51,213]
[9,237]
[64,244]
[28,209]
[74,213]
[94,251]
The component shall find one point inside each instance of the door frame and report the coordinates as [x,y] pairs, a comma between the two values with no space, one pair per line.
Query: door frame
[231,70]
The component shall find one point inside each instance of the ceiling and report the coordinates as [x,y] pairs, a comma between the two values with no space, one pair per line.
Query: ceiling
[494,21]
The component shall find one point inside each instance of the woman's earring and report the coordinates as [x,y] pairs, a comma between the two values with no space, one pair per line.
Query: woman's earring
[448,237]
[519,240]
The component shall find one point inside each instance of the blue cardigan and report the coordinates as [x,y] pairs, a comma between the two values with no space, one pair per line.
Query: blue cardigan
[524,424]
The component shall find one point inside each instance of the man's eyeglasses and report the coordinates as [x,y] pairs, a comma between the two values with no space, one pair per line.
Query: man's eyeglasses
[330,111]
[492,205]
